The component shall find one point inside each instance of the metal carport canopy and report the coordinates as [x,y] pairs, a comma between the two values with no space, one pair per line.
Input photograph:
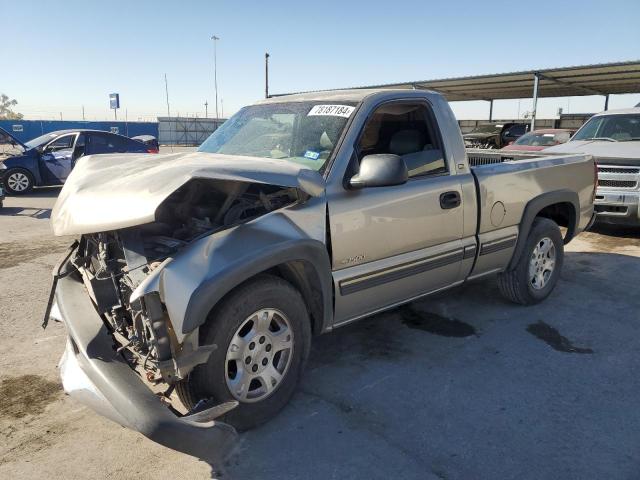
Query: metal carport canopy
[602,79]
[599,79]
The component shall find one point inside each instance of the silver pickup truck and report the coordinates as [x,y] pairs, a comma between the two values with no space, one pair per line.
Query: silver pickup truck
[199,279]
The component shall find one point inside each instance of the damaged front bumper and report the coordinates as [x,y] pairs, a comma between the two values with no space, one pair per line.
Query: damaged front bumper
[97,376]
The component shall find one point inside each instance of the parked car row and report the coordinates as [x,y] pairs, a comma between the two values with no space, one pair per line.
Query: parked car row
[47,160]
[540,139]
[515,136]
[613,138]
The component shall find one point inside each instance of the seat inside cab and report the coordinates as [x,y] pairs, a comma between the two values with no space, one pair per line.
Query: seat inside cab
[404,129]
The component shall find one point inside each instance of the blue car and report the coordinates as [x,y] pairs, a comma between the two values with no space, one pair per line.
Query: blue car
[48,160]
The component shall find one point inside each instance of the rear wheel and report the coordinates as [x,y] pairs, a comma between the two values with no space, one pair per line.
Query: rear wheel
[263,335]
[18,181]
[538,268]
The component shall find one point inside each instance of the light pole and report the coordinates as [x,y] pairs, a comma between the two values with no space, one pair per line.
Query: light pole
[215,71]
[206,109]
[266,75]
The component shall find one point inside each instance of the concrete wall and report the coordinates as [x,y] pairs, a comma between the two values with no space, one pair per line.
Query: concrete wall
[573,120]
[186,130]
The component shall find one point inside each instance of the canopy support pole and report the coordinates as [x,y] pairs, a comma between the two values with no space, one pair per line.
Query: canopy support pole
[606,102]
[535,101]
[491,110]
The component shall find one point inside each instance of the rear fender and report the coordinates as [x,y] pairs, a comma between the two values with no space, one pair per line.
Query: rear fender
[533,209]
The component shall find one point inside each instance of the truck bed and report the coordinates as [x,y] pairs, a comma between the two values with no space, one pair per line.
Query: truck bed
[506,185]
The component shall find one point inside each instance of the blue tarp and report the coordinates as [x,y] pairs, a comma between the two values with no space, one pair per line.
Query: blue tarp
[25,130]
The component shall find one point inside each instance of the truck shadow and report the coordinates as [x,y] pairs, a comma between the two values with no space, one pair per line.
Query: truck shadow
[385,398]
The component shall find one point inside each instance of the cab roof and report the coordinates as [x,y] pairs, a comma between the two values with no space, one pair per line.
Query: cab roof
[622,111]
[355,95]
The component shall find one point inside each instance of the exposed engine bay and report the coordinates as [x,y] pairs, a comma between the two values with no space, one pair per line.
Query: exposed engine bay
[114,263]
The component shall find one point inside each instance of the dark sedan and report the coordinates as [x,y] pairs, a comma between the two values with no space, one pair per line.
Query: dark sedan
[48,160]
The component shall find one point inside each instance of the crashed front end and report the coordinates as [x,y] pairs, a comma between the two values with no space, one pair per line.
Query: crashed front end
[124,357]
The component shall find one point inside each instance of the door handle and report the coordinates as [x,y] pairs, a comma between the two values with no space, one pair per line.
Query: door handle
[449,200]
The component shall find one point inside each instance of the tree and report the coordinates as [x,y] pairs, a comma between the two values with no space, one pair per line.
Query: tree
[6,108]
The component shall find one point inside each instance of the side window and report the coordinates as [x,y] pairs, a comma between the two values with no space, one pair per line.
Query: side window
[408,130]
[515,131]
[120,144]
[60,143]
[105,143]
[96,144]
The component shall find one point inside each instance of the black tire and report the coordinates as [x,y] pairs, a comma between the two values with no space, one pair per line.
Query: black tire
[208,381]
[23,174]
[515,284]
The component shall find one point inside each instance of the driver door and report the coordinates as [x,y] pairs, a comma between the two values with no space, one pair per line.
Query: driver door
[56,159]
[390,244]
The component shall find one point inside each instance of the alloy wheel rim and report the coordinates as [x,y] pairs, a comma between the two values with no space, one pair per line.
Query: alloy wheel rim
[259,355]
[18,182]
[542,263]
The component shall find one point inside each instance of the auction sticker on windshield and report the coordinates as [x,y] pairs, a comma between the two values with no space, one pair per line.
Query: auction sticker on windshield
[331,110]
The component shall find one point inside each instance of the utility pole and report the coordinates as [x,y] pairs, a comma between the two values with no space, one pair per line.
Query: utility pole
[206,109]
[83,113]
[266,75]
[215,71]
[166,89]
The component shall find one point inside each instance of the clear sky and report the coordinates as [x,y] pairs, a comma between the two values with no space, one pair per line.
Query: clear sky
[59,56]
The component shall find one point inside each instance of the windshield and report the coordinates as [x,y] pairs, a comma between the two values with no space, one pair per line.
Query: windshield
[301,132]
[613,128]
[535,139]
[488,129]
[38,141]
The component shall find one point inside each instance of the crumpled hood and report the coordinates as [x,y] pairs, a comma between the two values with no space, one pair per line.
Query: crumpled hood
[599,148]
[108,192]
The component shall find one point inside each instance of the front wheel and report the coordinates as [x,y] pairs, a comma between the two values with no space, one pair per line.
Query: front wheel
[18,181]
[263,335]
[538,268]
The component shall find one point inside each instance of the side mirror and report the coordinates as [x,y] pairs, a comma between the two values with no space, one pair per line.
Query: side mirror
[380,170]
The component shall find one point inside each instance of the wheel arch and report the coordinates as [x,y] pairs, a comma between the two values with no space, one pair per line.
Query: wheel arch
[304,263]
[561,206]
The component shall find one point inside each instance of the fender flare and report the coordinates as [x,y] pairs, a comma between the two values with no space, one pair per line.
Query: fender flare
[534,207]
[211,291]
